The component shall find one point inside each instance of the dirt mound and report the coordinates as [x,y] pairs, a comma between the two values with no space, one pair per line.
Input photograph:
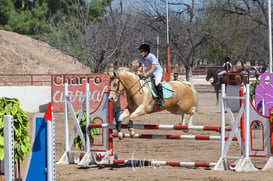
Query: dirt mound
[21,54]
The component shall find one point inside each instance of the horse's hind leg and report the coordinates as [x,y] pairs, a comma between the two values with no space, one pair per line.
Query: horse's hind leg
[193,109]
[191,116]
[180,112]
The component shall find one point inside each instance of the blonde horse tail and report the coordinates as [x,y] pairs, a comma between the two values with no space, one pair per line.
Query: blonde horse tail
[195,97]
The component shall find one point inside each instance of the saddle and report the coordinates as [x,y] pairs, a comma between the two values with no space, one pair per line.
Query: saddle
[167,89]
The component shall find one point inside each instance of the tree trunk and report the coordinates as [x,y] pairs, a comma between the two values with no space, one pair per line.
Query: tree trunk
[189,74]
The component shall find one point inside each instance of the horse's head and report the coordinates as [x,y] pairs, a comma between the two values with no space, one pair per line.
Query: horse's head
[115,86]
[210,74]
[124,81]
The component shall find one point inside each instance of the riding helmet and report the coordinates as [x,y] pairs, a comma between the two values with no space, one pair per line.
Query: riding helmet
[144,47]
[227,59]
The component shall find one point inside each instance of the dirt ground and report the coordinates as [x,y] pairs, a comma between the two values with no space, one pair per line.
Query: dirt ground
[164,150]
[21,54]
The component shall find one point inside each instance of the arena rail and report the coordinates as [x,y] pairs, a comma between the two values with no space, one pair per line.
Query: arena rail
[25,79]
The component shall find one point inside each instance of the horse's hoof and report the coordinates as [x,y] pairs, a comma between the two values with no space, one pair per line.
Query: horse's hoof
[120,135]
[132,132]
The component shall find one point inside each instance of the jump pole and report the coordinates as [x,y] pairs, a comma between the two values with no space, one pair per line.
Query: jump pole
[139,163]
[161,127]
[173,137]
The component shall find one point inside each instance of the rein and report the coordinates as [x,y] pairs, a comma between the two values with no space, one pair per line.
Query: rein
[118,92]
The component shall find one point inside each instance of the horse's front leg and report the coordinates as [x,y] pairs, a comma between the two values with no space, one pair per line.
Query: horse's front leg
[124,115]
[138,112]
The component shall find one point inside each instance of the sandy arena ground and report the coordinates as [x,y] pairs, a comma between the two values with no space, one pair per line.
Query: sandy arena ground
[164,150]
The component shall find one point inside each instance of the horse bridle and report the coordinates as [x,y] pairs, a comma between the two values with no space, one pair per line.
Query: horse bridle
[118,92]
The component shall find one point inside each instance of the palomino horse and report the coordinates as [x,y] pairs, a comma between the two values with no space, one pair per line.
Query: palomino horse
[141,101]
[233,78]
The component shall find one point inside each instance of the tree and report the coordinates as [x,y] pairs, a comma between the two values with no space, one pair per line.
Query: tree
[184,36]
[79,33]
[236,28]
[6,8]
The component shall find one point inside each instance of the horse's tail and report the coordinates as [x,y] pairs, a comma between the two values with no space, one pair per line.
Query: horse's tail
[195,97]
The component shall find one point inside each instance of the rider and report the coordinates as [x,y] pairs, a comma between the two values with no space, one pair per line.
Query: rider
[155,71]
[226,68]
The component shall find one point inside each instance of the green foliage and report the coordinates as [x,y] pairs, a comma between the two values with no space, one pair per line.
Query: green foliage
[108,68]
[92,132]
[253,85]
[97,9]
[6,8]
[11,106]
[30,22]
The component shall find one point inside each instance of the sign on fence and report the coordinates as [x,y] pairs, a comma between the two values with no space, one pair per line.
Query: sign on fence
[76,87]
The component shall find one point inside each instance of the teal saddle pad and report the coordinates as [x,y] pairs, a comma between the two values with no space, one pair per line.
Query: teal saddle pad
[167,89]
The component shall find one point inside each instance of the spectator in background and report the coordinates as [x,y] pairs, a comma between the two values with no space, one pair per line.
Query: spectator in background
[116,109]
[244,73]
[175,76]
[257,74]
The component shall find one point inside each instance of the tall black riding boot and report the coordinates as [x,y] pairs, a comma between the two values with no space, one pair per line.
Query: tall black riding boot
[118,126]
[159,89]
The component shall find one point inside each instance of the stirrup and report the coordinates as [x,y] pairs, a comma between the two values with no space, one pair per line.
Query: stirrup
[161,103]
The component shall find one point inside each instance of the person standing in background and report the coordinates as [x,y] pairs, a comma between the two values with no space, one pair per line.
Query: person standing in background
[244,73]
[175,76]
[116,109]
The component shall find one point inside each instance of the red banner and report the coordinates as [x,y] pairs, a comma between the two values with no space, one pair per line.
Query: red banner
[98,83]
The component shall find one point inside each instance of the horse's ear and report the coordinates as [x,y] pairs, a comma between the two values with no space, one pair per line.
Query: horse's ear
[111,74]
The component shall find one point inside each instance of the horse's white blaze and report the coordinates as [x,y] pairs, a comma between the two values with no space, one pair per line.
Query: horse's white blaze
[113,94]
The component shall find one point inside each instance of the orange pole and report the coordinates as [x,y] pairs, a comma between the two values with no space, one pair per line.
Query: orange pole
[242,118]
[110,121]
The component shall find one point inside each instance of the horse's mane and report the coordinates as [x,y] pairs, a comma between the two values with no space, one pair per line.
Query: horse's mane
[127,74]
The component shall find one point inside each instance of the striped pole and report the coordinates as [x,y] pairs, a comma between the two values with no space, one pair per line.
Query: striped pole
[140,163]
[174,137]
[161,127]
